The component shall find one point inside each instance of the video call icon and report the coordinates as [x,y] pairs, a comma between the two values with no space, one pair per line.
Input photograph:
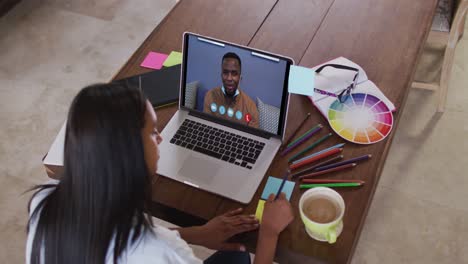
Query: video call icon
[239,115]
[248,118]
[214,107]
[230,112]
[222,109]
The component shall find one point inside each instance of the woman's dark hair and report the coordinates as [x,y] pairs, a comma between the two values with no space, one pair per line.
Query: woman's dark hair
[102,193]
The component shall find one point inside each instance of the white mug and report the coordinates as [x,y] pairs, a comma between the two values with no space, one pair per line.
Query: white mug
[323,231]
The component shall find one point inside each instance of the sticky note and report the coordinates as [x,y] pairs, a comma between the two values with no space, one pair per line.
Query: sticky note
[301,80]
[154,60]
[272,186]
[259,212]
[173,59]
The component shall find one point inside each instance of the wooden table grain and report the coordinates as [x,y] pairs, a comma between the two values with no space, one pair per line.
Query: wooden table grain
[385,37]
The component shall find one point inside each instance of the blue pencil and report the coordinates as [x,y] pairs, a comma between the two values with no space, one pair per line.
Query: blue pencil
[282,184]
[318,153]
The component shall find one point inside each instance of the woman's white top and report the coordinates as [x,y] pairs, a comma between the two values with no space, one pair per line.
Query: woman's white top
[161,246]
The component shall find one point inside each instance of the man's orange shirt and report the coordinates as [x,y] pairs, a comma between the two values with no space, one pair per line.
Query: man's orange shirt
[241,103]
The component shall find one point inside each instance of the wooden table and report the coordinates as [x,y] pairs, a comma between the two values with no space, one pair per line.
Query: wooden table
[385,37]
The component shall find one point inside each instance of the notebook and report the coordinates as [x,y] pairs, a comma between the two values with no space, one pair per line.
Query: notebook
[160,86]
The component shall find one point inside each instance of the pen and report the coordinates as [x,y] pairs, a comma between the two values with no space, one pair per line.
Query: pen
[302,136]
[315,158]
[302,139]
[344,162]
[317,153]
[282,183]
[342,184]
[320,140]
[326,162]
[297,130]
[330,181]
[352,165]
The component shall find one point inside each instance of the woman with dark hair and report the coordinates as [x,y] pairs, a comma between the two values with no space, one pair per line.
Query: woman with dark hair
[96,213]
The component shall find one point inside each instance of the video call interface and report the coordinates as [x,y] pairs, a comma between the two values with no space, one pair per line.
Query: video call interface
[235,84]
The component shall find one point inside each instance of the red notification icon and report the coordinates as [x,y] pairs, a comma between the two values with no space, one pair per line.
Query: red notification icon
[248,118]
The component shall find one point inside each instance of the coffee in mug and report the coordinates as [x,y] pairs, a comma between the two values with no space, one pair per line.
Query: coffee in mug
[322,210]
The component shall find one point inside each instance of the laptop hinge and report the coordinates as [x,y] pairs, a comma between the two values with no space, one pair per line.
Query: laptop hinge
[242,128]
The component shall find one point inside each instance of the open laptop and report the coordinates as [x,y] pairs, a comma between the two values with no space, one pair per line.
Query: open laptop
[231,119]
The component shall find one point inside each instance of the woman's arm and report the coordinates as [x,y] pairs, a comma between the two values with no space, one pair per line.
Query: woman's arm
[215,232]
[191,235]
[266,247]
[276,217]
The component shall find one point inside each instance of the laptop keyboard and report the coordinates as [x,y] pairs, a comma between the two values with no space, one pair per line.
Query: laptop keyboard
[218,143]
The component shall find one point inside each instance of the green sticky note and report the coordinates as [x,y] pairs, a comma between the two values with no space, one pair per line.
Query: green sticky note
[259,212]
[272,186]
[174,58]
[301,80]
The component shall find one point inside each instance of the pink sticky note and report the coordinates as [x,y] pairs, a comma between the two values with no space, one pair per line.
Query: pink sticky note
[154,60]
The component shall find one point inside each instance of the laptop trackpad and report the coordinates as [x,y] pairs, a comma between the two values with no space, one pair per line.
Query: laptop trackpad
[199,170]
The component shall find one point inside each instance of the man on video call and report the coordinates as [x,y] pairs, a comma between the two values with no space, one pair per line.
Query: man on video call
[228,101]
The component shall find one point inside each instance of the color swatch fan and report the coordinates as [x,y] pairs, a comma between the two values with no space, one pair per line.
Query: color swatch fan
[361,118]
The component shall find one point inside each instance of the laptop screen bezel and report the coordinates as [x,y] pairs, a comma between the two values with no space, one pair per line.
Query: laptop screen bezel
[225,122]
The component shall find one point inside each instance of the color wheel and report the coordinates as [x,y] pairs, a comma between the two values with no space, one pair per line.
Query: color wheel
[361,118]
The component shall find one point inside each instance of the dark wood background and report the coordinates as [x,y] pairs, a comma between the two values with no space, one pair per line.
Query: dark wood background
[385,37]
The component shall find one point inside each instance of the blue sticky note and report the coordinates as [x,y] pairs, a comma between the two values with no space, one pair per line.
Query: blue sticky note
[301,80]
[272,186]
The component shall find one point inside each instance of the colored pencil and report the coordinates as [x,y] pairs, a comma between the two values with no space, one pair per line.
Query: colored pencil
[319,152]
[344,162]
[347,166]
[329,181]
[303,135]
[315,158]
[341,184]
[302,140]
[313,145]
[326,162]
[282,184]
[297,130]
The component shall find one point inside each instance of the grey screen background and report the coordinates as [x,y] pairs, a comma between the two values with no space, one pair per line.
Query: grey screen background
[261,77]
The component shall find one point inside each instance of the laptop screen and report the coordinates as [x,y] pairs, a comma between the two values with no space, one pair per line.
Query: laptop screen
[234,83]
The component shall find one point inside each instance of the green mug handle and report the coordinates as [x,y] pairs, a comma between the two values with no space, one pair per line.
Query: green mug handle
[331,236]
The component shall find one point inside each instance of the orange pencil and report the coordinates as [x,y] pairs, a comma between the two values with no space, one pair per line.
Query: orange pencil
[351,165]
[315,158]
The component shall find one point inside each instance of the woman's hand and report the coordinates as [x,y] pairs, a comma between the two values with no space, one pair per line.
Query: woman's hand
[277,215]
[219,229]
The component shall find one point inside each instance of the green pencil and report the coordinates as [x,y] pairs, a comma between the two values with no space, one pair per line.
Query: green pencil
[341,184]
[320,140]
[301,137]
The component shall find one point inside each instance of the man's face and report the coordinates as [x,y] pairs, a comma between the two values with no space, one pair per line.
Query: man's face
[230,73]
